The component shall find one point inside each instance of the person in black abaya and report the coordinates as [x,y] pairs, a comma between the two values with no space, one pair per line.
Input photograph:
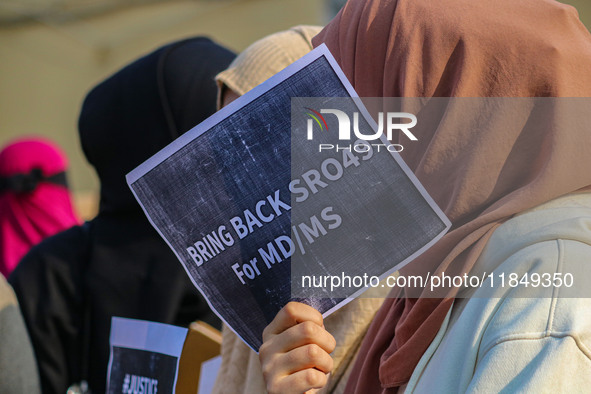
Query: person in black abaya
[70,285]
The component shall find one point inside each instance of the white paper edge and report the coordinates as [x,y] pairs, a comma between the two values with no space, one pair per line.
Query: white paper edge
[242,101]
[213,364]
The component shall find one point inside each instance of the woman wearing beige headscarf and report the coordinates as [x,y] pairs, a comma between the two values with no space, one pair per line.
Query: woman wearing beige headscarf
[241,370]
[518,197]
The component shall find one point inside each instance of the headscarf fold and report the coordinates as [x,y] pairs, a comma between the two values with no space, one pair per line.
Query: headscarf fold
[464,48]
[34,199]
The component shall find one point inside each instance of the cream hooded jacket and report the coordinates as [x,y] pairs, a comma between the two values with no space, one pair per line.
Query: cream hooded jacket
[533,339]
[503,338]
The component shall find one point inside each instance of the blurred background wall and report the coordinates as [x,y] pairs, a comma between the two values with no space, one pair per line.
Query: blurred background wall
[53,51]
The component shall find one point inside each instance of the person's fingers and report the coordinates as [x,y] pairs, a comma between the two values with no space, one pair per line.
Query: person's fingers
[295,351]
[298,383]
[304,357]
[290,315]
[304,346]
[305,333]
[309,356]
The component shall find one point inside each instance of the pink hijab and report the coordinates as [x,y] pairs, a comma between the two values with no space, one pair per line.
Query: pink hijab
[464,48]
[34,199]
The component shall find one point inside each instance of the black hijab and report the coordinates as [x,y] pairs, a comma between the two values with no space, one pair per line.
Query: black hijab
[143,107]
[71,285]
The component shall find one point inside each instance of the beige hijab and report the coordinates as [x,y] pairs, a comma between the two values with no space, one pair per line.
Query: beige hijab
[240,371]
[464,48]
[265,58]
